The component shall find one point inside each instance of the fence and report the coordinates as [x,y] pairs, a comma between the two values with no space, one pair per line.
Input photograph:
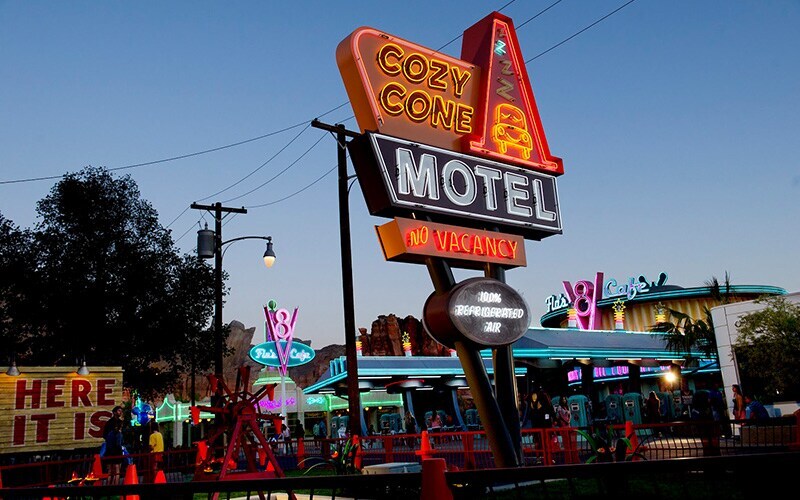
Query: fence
[728,477]
[468,450]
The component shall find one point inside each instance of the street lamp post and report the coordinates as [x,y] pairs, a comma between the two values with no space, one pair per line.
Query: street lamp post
[210,244]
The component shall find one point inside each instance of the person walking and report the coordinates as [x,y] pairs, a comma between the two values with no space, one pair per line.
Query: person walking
[156,442]
[739,407]
[112,436]
[411,428]
[541,414]
[436,422]
[568,439]
[652,408]
[562,412]
[756,409]
[286,436]
[411,423]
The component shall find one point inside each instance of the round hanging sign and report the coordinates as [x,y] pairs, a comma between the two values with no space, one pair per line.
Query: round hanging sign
[484,311]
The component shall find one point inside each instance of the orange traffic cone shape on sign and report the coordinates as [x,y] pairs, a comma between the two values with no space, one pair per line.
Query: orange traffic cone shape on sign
[425,446]
[160,477]
[195,412]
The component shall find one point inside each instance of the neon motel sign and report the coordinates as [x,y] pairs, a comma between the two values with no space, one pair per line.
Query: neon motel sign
[460,139]
[481,104]
[454,141]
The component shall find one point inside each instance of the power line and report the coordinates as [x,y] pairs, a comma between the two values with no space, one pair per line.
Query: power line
[181,157]
[459,36]
[185,233]
[178,217]
[239,143]
[296,192]
[562,42]
[539,13]
[278,174]
[259,167]
[445,45]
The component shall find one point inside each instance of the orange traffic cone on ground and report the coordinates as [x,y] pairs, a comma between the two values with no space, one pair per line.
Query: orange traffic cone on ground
[425,446]
[52,498]
[160,477]
[131,477]
[301,453]
[97,467]
[270,467]
[357,459]
[434,484]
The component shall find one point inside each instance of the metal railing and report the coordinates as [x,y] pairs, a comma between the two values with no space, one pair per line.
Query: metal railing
[407,485]
[728,477]
[463,450]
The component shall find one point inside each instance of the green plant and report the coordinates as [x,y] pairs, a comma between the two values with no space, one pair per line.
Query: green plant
[342,460]
[608,446]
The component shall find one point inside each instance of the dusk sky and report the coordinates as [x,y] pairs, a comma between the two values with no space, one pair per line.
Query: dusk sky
[678,123]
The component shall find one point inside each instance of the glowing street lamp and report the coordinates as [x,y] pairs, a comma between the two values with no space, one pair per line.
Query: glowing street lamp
[210,244]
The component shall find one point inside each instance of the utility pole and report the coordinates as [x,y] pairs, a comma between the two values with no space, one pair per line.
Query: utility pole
[353,394]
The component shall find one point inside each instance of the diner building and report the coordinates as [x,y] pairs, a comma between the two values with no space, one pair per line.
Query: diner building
[596,339]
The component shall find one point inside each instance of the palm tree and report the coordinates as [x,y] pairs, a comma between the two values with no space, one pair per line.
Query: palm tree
[685,333]
[721,293]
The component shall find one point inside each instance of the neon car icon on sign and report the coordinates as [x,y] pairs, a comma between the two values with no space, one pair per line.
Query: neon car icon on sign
[511,131]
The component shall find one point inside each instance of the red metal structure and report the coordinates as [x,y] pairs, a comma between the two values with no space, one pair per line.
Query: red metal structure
[238,421]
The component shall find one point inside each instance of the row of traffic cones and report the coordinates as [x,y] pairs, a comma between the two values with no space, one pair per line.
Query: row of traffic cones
[131,477]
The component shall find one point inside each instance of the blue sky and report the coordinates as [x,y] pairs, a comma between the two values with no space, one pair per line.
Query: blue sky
[678,124]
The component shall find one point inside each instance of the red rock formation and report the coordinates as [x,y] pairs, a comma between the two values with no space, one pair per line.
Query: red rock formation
[239,342]
[386,338]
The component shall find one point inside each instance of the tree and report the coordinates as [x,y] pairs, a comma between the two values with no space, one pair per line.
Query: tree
[17,264]
[685,333]
[768,349]
[112,289]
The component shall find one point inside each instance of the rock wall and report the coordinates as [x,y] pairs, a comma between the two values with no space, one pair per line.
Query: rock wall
[239,341]
[385,338]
